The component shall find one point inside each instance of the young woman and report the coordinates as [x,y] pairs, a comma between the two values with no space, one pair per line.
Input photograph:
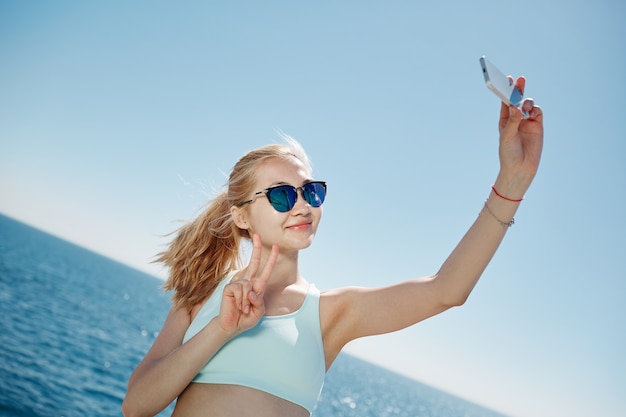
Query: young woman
[257,341]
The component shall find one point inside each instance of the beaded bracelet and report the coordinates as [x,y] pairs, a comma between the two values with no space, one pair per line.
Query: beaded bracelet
[505,224]
[493,187]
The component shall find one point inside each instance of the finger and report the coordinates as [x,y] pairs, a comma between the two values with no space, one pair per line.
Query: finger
[240,291]
[536,113]
[512,123]
[246,288]
[520,83]
[235,292]
[261,281]
[255,300]
[504,115]
[528,104]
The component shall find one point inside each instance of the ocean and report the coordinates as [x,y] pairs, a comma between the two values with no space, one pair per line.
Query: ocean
[75,324]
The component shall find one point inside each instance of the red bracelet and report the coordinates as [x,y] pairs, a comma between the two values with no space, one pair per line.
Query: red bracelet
[493,187]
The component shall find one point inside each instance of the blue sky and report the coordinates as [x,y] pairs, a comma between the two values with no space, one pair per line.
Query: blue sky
[119,119]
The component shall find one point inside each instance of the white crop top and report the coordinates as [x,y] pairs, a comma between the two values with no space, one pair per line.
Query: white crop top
[288,360]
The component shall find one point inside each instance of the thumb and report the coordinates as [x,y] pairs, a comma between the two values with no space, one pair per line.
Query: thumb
[512,124]
[255,299]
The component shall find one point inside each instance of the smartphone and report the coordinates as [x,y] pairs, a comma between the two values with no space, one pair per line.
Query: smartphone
[502,86]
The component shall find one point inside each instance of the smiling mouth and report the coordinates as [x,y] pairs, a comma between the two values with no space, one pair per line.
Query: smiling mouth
[300,226]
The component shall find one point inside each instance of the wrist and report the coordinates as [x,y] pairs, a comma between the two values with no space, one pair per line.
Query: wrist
[510,190]
[216,328]
[501,207]
[504,197]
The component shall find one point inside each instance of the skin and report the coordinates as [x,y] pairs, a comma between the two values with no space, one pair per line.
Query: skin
[272,285]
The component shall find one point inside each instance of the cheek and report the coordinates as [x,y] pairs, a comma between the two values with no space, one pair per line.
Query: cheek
[265,219]
[319,212]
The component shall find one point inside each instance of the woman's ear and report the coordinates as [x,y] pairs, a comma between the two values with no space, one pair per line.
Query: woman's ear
[239,217]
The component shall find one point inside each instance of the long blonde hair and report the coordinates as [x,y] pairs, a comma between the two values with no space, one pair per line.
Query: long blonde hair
[207,248]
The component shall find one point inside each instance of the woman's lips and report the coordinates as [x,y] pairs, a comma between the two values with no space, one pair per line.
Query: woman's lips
[300,226]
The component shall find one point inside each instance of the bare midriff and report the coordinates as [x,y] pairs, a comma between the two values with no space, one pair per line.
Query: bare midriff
[208,400]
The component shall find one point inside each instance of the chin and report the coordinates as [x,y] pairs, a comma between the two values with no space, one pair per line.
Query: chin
[301,243]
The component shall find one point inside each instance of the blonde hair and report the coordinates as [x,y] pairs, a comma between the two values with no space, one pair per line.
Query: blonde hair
[207,248]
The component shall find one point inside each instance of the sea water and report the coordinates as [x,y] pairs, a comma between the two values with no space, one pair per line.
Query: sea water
[74,324]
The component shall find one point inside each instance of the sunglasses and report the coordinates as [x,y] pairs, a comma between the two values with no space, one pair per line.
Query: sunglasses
[284,197]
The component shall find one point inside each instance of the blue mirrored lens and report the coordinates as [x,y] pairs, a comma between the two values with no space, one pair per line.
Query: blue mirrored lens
[282,198]
[314,193]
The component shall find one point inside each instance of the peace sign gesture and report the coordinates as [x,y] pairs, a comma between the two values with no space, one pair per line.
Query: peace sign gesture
[242,303]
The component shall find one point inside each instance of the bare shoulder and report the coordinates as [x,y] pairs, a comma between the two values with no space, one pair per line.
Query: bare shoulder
[343,307]
[342,295]
[337,301]
[337,319]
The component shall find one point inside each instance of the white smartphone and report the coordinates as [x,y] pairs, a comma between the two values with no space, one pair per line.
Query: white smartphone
[502,86]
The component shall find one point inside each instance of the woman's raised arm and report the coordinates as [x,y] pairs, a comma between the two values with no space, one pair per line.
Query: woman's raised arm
[374,311]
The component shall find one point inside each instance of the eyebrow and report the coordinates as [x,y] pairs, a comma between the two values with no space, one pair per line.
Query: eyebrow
[277,183]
